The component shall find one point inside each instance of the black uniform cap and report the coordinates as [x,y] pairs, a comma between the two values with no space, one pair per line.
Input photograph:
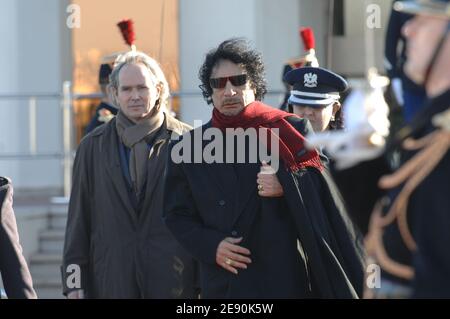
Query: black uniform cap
[103,75]
[315,87]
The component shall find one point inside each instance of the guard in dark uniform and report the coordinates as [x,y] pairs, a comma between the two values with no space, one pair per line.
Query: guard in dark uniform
[315,96]
[105,110]
[307,59]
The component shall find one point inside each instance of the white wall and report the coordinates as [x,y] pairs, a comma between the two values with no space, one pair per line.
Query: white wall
[314,14]
[9,82]
[278,39]
[350,51]
[36,60]
[270,25]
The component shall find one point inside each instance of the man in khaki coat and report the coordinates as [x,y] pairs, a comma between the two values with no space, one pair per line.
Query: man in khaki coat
[116,244]
[13,267]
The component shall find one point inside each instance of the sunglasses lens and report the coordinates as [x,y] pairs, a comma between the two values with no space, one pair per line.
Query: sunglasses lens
[220,83]
[238,80]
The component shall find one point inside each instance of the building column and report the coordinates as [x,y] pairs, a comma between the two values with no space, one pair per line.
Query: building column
[37,61]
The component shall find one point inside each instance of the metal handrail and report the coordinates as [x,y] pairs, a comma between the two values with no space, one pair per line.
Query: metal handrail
[98,95]
[29,95]
[31,156]
[32,97]
[67,154]
[66,103]
[68,135]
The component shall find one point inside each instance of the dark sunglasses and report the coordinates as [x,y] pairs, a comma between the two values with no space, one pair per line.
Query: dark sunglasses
[236,80]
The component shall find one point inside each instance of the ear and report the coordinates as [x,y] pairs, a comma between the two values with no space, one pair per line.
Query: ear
[336,107]
[159,88]
[112,93]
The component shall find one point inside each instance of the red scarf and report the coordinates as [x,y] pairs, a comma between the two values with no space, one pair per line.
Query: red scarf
[291,142]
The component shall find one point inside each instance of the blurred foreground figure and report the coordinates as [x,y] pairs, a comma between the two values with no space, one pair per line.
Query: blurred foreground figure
[406,212]
[408,94]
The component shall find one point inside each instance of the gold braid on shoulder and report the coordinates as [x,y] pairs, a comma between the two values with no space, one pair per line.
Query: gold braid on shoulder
[433,148]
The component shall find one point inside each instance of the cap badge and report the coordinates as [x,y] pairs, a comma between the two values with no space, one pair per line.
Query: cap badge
[310,80]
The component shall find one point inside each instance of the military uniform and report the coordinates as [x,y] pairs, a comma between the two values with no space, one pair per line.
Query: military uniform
[104,111]
[407,217]
[308,59]
[413,95]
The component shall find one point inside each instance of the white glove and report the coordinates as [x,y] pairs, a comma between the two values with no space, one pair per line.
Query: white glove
[348,148]
[397,89]
[367,125]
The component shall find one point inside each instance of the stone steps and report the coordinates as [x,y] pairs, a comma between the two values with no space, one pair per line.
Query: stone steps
[58,217]
[52,241]
[45,265]
[48,288]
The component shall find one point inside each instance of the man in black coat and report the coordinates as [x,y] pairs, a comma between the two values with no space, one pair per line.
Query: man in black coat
[13,267]
[254,240]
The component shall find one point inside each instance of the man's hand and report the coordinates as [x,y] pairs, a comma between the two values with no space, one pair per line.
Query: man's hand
[268,183]
[76,294]
[230,256]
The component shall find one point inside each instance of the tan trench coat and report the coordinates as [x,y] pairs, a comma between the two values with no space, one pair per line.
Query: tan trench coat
[121,252]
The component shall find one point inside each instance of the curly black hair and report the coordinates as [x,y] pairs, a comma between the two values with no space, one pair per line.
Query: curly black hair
[236,50]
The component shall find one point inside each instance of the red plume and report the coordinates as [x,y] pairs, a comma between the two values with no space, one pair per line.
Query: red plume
[307,35]
[126,27]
